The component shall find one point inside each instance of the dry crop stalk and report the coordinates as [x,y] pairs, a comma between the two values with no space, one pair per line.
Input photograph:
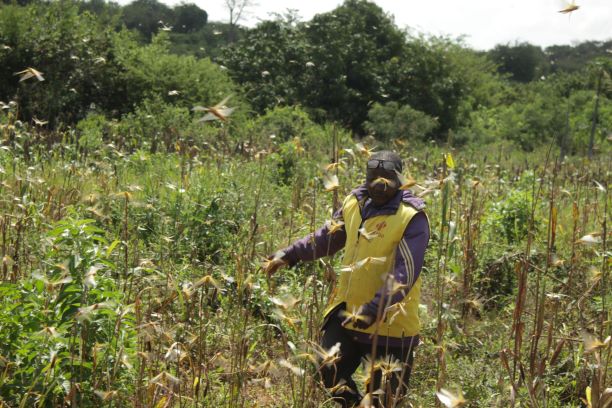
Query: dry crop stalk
[4,223]
[604,269]
[522,268]
[440,281]
[125,240]
[539,300]
[472,231]
[254,225]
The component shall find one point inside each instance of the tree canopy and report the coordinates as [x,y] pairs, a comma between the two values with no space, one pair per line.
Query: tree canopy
[352,66]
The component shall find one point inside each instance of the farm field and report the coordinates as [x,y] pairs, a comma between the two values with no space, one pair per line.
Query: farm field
[153,162]
[136,279]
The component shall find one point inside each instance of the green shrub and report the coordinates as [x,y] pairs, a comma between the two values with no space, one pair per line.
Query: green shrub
[73,52]
[581,119]
[483,128]
[211,226]
[91,132]
[64,322]
[287,161]
[510,217]
[153,72]
[282,124]
[291,124]
[496,280]
[154,124]
[395,121]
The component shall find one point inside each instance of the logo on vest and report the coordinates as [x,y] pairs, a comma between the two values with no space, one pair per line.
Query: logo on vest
[379,227]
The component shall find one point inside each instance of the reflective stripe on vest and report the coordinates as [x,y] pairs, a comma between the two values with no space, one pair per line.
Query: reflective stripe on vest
[367,275]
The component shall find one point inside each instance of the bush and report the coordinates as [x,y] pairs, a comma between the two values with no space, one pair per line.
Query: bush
[395,121]
[61,320]
[497,279]
[73,52]
[154,125]
[581,119]
[510,217]
[87,64]
[152,72]
[283,124]
[212,226]
[91,131]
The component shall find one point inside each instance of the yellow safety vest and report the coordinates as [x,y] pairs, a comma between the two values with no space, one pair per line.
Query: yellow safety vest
[360,284]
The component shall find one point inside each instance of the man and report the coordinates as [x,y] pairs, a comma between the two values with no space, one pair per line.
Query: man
[374,307]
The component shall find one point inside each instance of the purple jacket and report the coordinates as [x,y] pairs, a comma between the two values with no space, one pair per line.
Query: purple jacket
[406,271]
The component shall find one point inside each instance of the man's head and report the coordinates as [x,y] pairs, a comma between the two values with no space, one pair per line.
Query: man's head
[381,176]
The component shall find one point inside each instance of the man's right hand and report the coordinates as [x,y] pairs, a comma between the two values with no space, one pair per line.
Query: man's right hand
[273,263]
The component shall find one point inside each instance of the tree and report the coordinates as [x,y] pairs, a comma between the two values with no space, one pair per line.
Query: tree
[270,62]
[568,58]
[350,47]
[108,12]
[72,51]
[19,2]
[189,18]
[523,62]
[340,63]
[210,41]
[89,67]
[334,65]
[147,16]
[237,10]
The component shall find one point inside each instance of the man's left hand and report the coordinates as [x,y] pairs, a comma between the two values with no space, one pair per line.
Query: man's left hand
[358,319]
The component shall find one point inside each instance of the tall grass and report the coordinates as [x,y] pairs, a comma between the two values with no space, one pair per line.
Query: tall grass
[134,279]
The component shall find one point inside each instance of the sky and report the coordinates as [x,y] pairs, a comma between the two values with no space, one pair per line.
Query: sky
[481,23]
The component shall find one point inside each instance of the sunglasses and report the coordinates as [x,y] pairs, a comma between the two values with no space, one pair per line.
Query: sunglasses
[385,164]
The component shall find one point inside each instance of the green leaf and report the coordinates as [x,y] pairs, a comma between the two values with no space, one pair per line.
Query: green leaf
[57,231]
[112,247]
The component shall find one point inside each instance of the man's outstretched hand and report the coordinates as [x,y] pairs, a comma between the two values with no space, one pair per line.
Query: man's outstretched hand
[273,263]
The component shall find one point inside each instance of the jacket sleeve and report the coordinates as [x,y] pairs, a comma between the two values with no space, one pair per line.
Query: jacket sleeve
[325,241]
[407,266]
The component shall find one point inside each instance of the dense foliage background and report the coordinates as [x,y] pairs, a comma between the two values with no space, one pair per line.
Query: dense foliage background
[132,234]
[352,66]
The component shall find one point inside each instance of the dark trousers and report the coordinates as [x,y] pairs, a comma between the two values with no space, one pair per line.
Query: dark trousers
[338,376]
